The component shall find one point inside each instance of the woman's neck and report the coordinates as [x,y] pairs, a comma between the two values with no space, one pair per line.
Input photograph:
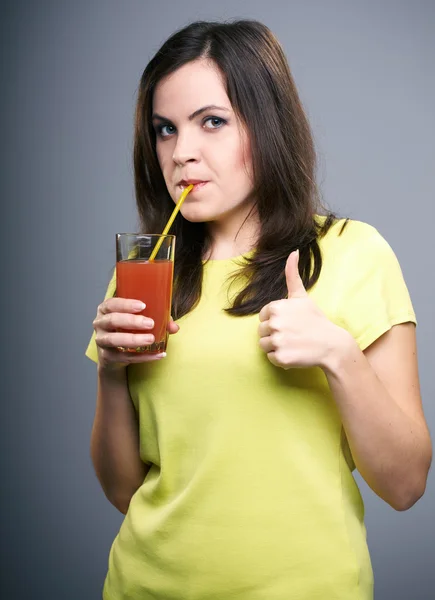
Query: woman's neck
[228,240]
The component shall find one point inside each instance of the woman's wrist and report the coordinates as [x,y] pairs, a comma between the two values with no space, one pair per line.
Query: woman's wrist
[116,372]
[342,347]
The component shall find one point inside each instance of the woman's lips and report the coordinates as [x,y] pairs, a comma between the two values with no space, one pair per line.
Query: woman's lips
[196,186]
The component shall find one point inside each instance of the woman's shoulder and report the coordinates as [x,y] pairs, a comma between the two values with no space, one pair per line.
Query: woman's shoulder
[355,249]
[344,233]
[352,244]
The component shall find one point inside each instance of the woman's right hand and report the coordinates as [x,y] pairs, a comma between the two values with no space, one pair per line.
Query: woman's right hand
[115,314]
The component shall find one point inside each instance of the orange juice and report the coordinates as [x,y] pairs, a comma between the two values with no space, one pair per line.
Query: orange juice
[150,282]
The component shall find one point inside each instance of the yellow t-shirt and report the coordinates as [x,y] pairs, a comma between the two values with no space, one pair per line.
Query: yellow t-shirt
[250,493]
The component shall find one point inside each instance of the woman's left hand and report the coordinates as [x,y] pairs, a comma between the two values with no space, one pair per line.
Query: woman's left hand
[294,332]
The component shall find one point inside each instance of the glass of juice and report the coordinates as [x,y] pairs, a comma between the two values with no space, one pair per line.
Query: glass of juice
[139,278]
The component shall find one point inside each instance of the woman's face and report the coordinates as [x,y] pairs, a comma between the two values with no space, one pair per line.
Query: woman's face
[200,140]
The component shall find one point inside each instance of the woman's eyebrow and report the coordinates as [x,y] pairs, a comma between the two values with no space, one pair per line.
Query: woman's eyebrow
[156,116]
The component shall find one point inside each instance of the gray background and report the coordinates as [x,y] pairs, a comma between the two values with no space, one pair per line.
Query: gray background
[69,73]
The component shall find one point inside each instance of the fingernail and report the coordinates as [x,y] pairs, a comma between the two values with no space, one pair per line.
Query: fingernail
[162,355]
[138,306]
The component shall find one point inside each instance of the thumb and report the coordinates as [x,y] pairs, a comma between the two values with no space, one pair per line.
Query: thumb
[173,327]
[295,287]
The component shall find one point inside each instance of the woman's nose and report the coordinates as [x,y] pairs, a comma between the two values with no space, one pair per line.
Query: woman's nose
[186,150]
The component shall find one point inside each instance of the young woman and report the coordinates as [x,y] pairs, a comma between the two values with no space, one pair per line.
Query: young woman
[294,360]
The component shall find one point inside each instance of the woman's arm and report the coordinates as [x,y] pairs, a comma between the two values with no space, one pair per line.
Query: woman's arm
[377,391]
[115,434]
[115,440]
[378,395]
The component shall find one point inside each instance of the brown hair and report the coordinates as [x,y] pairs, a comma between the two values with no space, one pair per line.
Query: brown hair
[263,94]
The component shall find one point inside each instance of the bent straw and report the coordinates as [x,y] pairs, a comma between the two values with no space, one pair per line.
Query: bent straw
[171,220]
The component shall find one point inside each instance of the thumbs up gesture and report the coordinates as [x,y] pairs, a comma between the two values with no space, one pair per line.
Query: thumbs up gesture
[294,332]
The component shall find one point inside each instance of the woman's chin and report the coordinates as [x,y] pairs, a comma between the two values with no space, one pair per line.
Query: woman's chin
[195,216]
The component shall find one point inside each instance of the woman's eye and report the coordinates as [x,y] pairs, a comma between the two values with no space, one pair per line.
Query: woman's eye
[213,122]
[165,130]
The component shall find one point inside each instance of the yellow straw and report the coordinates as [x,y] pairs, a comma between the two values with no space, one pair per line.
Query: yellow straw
[171,220]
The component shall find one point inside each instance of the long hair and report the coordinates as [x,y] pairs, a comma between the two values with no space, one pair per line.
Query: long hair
[263,95]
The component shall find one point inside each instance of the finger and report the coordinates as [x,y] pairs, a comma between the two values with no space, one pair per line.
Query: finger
[115,321]
[144,357]
[264,313]
[118,356]
[126,305]
[266,344]
[295,286]
[123,339]
[264,329]
[173,327]
[272,358]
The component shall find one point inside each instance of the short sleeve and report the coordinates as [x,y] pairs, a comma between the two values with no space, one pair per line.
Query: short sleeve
[91,351]
[374,296]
